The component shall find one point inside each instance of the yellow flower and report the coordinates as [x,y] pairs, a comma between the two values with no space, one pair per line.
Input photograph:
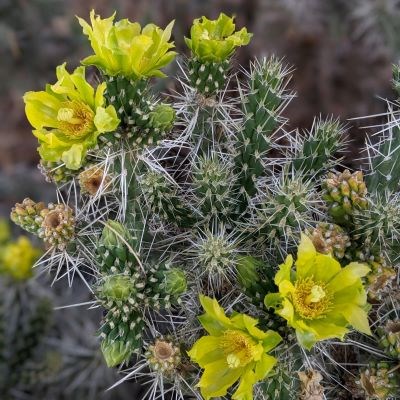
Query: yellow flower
[234,350]
[18,258]
[320,299]
[216,40]
[124,48]
[68,117]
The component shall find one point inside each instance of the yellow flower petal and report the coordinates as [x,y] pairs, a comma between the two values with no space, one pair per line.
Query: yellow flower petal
[306,254]
[206,350]
[284,270]
[217,378]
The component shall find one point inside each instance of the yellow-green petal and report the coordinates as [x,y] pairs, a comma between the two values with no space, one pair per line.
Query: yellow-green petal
[348,276]
[206,350]
[217,378]
[245,388]
[284,270]
[306,254]
[73,157]
[357,317]
[106,119]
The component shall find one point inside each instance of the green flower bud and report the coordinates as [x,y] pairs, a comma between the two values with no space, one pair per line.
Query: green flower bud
[114,234]
[162,117]
[175,281]
[117,287]
[115,352]
[216,40]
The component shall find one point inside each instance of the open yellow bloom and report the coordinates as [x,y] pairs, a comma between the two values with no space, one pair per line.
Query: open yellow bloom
[234,350]
[17,258]
[124,48]
[68,117]
[320,299]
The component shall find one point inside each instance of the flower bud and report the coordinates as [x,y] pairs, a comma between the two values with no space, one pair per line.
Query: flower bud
[175,281]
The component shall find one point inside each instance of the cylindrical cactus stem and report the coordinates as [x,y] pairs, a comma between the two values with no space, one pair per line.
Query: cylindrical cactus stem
[116,249]
[284,209]
[143,120]
[208,77]
[262,100]
[214,187]
[164,285]
[314,154]
[162,197]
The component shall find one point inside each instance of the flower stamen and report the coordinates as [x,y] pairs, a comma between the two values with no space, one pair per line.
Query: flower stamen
[75,119]
[311,299]
[238,348]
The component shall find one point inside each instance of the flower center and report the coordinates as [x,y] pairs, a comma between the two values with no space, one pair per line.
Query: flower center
[75,119]
[52,220]
[163,350]
[311,299]
[238,348]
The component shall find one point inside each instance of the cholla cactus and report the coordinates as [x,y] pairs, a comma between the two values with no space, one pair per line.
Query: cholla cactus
[206,197]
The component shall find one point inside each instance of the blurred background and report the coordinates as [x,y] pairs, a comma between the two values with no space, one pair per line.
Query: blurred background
[341,50]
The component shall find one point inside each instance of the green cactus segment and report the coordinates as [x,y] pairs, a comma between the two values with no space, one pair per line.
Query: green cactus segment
[127,288]
[208,77]
[286,209]
[162,198]
[380,381]
[384,156]
[116,249]
[122,337]
[345,193]
[213,182]
[282,383]
[315,153]
[385,161]
[262,103]
[143,120]
[389,338]
[378,226]
[216,256]
[164,286]
[27,215]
